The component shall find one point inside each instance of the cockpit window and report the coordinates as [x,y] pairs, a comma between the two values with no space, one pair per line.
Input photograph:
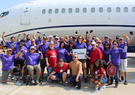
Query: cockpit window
[4,14]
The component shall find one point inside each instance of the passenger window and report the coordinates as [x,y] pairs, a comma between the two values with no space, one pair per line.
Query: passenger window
[77,10]
[109,9]
[63,10]
[43,11]
[84,10]
[56,11]
[92,10]
[4,14]
[100,10]
[50,11]
[133,9]
[118,9]
[70,10]
[125,9]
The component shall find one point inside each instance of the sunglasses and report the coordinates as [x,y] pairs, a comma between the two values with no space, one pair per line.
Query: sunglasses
[74,57]
[79,38]
[99,43]
[114,44]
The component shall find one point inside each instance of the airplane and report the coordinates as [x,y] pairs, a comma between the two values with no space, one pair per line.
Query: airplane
[64,17]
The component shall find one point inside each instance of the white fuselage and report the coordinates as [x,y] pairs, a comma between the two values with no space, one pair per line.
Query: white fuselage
[64,17]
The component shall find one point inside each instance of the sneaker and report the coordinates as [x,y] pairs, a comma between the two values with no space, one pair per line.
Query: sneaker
[96,88]
[79,87]
[122,78]
[33,82]
[64,84]
[115,86]
[125,83]
[13,77]
[18,83]
[37,82]
[102,87]
[21,77]
[110,83]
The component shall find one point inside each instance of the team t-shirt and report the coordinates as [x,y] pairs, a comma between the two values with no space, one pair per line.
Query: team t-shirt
[52,57]
[95,54]
[59,69]
[43,48]
[115,55]
[106,54]
[61,54]
[98,72]
[123,54]
[16,49]
[38,42]
[80,45]
[27,44]
[31,59]
[7,62]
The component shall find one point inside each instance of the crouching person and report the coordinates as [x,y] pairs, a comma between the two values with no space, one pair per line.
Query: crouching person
[7,63]
[98,75]
[32,64]
[59,72]
[76,74]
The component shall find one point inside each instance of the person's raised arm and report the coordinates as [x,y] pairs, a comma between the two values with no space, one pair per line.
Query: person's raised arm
[86,36]
[18,52]
[18,37]
[90,34]
[131,37]
[22,53]
[34,36]
[24,36]
[4,37]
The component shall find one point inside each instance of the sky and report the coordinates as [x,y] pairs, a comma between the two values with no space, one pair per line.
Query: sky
[6,4]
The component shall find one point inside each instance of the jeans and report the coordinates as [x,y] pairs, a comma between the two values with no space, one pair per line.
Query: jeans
[73,81]
[50,69]
[116,75]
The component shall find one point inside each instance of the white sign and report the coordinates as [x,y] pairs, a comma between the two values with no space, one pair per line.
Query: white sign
[80,52]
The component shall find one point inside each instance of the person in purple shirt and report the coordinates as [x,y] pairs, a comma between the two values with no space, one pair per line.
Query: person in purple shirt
[114,57]
[106,52]
[32,63]
[100,46]
[33,44]
[56,42]
[39,40]
[69,48]
[28,41]
[89,48]
[123,59]
[62,52]
[80,44]
[43,47]
[19,61]
[117,39]
[106,39]
[7,63]
[110,42]
[11,44]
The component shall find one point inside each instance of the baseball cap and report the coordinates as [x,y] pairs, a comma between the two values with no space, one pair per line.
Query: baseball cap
[93,42]
[88,40]
[9,49]
[56,37]
[106,36]
[44,37]
[121,38]
[110,39]
[117,37]
[50,36]
[32,47]
[74,37]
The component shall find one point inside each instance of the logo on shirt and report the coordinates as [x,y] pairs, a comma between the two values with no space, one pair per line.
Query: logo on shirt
[53,55]
[61,71]
[116,51]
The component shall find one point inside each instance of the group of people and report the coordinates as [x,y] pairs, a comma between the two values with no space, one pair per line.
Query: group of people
[56,53]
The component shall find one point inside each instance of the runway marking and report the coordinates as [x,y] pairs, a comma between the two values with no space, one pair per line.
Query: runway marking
[10,90]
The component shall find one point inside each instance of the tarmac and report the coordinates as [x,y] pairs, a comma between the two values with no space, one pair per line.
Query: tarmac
[48,88]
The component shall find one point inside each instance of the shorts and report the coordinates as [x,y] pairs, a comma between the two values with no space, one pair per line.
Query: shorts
[123,65]
[42,63]
[5,74]
[57,75]
[82,60]
[17,62]
[104,80]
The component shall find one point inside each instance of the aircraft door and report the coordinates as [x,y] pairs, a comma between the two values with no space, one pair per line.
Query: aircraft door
[25,14]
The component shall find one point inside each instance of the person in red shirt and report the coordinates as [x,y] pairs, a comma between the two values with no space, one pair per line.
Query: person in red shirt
[51,58]
[60,72]
[94,55]
[98,75]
